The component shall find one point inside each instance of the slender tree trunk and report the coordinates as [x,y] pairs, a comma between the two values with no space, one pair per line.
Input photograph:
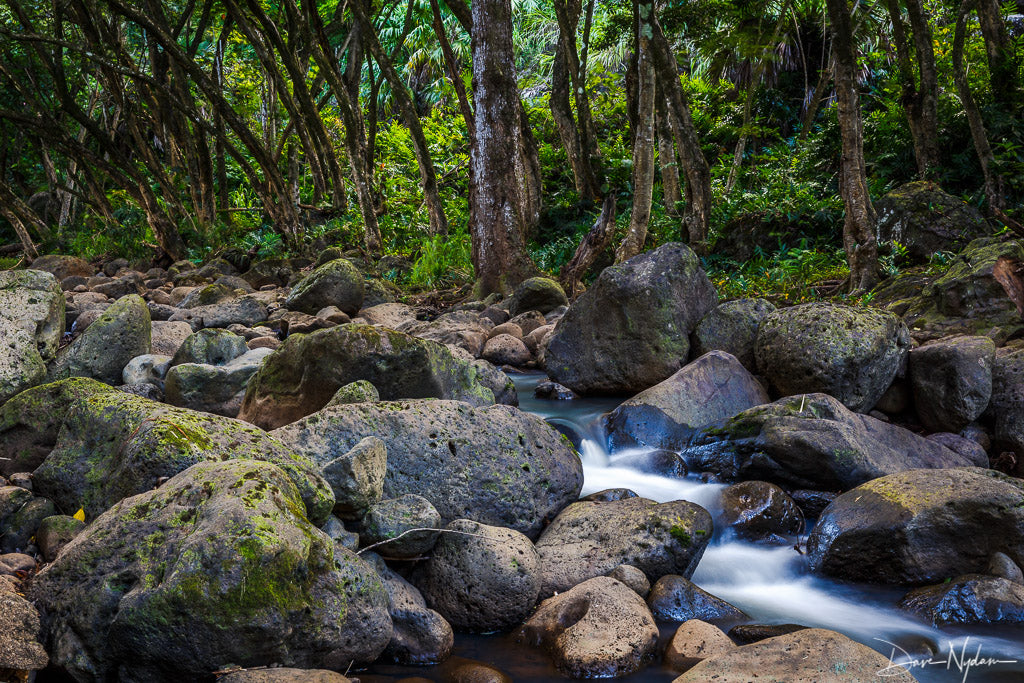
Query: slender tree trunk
[643,140]
[928,90]
[530,177]
[807,121]
[496,220]
[1003,62]
[916,99]
[591,247]
[859,225]
[451,64]
[668,163]
[565,79]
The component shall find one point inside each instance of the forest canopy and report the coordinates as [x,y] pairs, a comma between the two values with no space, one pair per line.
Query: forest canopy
[485,141]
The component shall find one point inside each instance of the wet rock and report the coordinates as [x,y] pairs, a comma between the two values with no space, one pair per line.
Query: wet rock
[812,503]
[598,629]
[662,463]
[675,598]
[609,495]
[401,525]
[813,441]
[632,577]
[481,578]
[1002,566]
[105,348]
[925,220]
[303,375]
[807,656]
[553,390]
[145,591]
[693,642]
[537,294]
[1006,406]
[589,539]
[744,634]
[850,353]
[968,600]
[113,445]
[20,649]
[899,529]
[31,326]
[952,381]
[497,464]
[732,327]
[759,511]
[631,329]
[55,532]
[217,389]
[461,670]
[710,389]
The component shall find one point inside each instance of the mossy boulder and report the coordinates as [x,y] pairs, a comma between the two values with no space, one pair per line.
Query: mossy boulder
[632,328]
[335,283]
[710,389]
[207,295]
[537,294]
[920,526]
[121,333]
[732,327]
[217,389]
[496,465]
[218,567]
[813,441]
[31,326]
[31,421]
[925,220]
[306,371]
[211,346]
[589,539]
[850,353]
[114,445]
[245,310]
[359,391]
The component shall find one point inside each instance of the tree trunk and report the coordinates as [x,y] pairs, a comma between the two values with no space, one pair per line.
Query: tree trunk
[565,79]
[591,247]
[917,99]
[643,141]
[496,219]
[1003,62]
[859,225]
[668,163]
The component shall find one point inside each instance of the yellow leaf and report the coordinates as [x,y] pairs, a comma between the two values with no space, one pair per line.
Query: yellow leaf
[80,515]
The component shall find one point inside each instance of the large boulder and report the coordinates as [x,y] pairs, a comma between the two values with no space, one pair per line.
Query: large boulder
[217,389]
[307,370]
[121,333]
[496,465]
[1006,406]
[212,346]
[335,283]
[676,598]
[113,445]
[31,421]
[631,329]
[537,294]
[481,578]
[732,327]
[759,511]
[971,599]
[708,390]
[813,441]
[589,539]
[598,629]
[61,266]
[952,381]
[925,220]
[219,566]
[846,352]
[920,526]
[31,327]
[807,656]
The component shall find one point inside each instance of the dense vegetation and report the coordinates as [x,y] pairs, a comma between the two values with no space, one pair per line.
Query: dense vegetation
[187,129]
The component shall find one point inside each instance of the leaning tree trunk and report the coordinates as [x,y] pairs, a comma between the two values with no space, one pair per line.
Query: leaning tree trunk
[496,206]
[859,225]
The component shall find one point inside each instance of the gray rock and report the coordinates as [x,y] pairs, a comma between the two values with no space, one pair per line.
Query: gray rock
[55,532]
[732,327]
[245,310]
[466,329]
[113,445]
[17,530]
[589,539]
[359,391]
[31,326]
[850,353]
[496,465]
[632,577]
[968,600]
[757,511]
[217,389]
[813,442]
[598,629]
[169,336]
[500,384]
[336,283]
[146,369]
[925,220]
[504,349]
[357,477]
[676,598]
[210,347]
[631,329]
[20,649]
[710,389]
[208,295]
[899,530]
[952,381]
[304,374]
[106,347]
[537,294]
[529,322]
[145,591]
[481,578]
[341,536]
[388,315]
[1002,566]
[63,267]
[1006,406]
[396,527]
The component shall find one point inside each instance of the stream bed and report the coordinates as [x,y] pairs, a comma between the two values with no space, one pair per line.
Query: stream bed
[770,583]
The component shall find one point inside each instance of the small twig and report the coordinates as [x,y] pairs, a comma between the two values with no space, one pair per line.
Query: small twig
[409,531]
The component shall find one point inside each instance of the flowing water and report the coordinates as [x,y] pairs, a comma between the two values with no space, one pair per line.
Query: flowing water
[770,583]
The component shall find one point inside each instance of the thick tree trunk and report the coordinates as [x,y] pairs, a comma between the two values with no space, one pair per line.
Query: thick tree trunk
[592,246]
[496,207]
[859,225]
[643,142]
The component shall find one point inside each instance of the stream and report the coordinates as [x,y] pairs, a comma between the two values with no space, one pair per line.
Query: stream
[772,584]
